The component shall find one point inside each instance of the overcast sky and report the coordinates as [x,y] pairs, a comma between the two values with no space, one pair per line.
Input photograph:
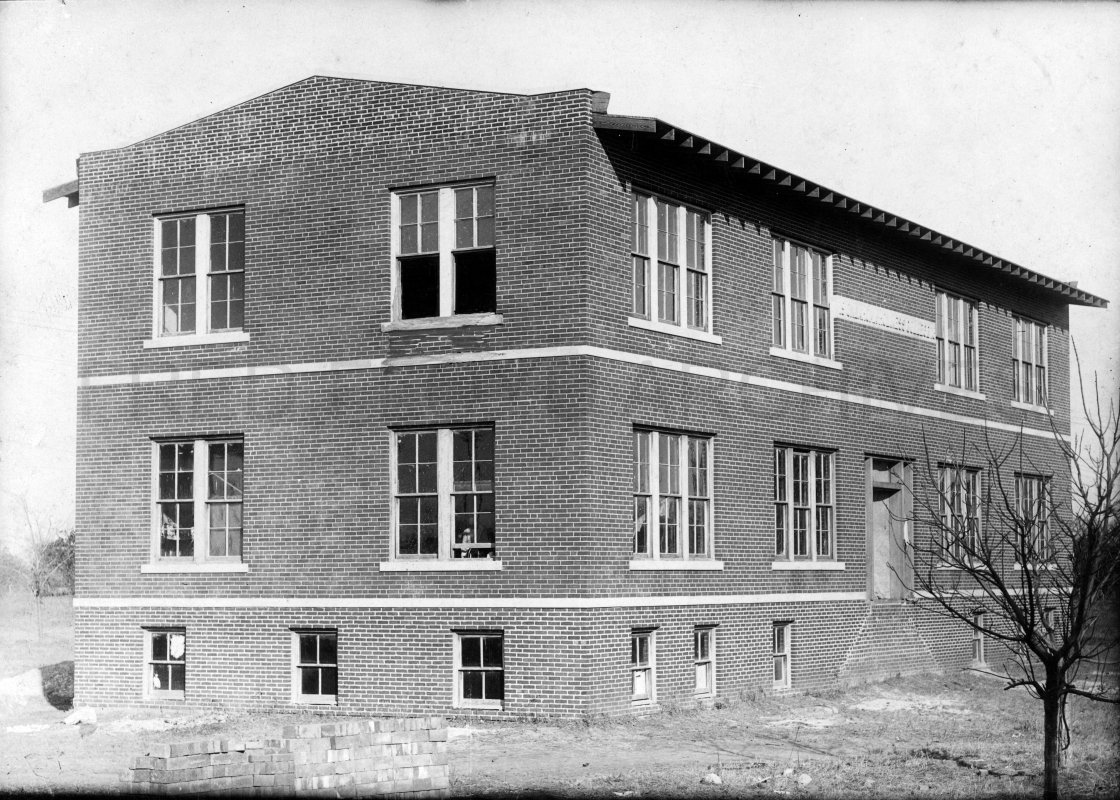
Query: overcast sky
[996,124]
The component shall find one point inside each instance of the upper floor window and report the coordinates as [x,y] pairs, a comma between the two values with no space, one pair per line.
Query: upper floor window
[801,321]
[1028,362]
[672,495]
[671,263]
[443,252]
[957,336]
[443,488]
[804,527]
[959,502]
[200,274]
[199,485]
[1032,494]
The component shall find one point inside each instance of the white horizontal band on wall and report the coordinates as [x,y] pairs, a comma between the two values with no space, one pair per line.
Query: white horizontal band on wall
[466,602]
[555,352]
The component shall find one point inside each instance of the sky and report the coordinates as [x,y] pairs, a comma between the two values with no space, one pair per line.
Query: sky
[996,124]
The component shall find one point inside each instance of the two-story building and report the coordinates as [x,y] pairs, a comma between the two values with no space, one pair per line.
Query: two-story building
[403,399]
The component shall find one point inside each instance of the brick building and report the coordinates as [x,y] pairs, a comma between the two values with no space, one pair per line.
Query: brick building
[400,399]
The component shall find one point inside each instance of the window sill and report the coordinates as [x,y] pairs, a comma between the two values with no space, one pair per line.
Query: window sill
[480,705]
[794,566]
[442,323]
[674,330]
[805,358]
[1032,407]
[654,564]
[163,697]
[941,387]
[455,565]
[228,337]
[315,700]
[1035,567]
[164,567]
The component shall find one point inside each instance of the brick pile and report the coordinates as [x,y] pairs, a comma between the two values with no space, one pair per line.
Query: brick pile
[383,757]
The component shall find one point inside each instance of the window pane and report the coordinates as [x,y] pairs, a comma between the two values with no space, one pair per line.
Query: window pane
[472,685]
[475,282]
[308,648]
[492,651]
[471,651]
[495,685]
[159,646]
[328,648]
[419,277]
[309,680]
[177,676]
[329,680]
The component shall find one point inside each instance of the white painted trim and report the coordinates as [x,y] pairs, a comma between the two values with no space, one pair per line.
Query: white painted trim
[944,387]
[470,602]
[674,330]
[793,355]
[441,323]
[669,564]
[434,565]
[796,566]
[167,567]
[1032,407]
[224,337]
[567,351]
[1046,567]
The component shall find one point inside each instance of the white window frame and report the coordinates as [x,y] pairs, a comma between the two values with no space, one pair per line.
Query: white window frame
[444,559]
[782,652]
[704,666]
[657,440]
[960,492]
[787,452]
[652,319]
[150,691]
[201,560]
[297,665]
[966,309]
[202,333]
[1034,394]
[446,250]
[979,642]
[647,668]
[1031,488]
[484,703]
[781,248]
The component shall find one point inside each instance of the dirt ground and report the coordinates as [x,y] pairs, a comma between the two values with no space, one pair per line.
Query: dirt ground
[955,735]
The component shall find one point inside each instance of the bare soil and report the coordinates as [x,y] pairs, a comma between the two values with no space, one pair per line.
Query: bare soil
[955,735]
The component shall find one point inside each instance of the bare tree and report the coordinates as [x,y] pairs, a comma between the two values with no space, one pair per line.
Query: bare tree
[49,565]
[1034,574]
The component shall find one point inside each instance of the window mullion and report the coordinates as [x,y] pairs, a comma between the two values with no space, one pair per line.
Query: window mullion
[202,273]
[443,487]
[787,303]
[684,518]
[655,495]
[446,223]
[654,258]
[201,512]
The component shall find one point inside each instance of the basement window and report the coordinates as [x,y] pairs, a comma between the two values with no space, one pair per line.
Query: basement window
[704,660]
[479,670]
[315,666]
[642,667]
[782,634]
[444,256]
[167,663]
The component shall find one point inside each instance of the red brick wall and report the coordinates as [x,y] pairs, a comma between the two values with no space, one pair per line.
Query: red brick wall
[314,164]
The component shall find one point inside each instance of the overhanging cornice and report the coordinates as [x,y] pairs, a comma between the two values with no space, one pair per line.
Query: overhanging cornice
[672,136]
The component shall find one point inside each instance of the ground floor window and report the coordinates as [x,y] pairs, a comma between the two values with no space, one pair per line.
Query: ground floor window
[167,663]
[978,620]
[782,664]
[479,670]
[642,666]
[704,658]
[315,669]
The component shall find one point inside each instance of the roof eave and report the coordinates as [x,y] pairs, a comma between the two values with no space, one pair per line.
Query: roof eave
[69,190]
[661,131]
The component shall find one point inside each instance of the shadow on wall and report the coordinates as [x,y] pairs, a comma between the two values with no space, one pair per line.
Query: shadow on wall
[58,684]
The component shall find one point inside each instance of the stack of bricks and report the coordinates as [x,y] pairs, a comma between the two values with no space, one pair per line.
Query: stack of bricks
[384,757]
